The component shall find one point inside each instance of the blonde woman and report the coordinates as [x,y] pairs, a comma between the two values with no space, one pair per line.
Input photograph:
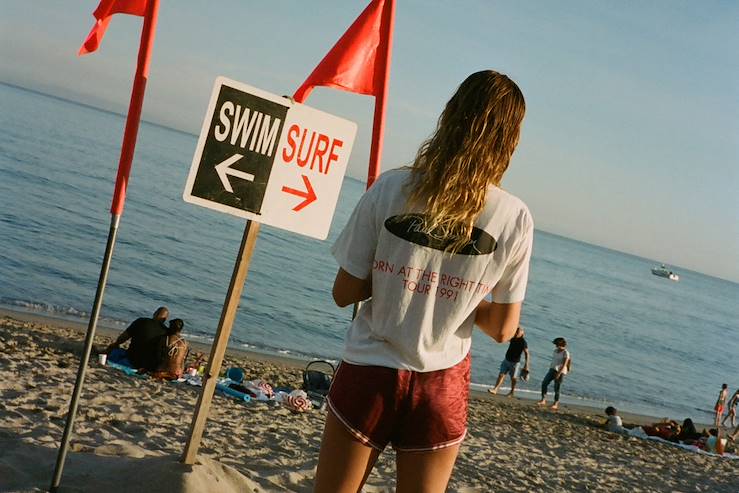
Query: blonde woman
[424,247]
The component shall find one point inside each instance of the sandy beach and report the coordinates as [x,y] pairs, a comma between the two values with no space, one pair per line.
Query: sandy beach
[130,432]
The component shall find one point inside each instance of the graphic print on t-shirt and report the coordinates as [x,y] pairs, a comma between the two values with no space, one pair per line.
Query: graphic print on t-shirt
[410,228]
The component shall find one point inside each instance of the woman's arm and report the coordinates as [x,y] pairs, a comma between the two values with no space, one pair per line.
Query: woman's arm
[349,289]
[498,320]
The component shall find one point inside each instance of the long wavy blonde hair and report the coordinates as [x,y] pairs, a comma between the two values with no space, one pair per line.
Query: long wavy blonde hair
[470,150]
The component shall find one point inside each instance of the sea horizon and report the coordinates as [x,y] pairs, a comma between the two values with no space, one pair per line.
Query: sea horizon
[349,177]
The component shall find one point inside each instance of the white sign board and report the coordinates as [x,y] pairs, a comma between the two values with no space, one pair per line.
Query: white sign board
[265,158]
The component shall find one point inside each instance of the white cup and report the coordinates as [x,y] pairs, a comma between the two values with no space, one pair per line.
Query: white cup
[102,358]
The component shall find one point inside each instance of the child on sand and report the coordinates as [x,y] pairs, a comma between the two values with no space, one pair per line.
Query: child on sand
[613,422]
[425,246]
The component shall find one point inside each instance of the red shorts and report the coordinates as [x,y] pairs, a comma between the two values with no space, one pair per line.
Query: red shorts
[415,411]
[719,408]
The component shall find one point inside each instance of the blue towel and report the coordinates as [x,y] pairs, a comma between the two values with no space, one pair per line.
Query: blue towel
[233,393]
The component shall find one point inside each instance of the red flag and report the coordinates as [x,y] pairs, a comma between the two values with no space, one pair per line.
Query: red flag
[358,62]
[103,13]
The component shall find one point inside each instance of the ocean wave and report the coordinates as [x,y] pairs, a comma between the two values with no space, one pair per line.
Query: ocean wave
[54,311]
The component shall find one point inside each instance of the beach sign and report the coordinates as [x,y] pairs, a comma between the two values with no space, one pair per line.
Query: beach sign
[268,159]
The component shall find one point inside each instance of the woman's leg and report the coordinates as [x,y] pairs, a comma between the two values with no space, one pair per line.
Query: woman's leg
[425,472]
[557,385]
[344,462]
[545,385]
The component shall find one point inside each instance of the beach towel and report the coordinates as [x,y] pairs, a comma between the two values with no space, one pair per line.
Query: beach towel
[262,390]
[638,432]
[120,357]
[225,389]
[297,401]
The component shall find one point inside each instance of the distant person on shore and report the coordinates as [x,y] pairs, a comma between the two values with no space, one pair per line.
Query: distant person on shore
[613,421]
[145,335]
[721,403]
[733,402]
[425,246]
[512,362]
[560,366]
[173,352]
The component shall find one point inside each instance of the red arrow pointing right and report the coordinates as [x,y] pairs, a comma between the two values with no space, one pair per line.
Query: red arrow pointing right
[309,195]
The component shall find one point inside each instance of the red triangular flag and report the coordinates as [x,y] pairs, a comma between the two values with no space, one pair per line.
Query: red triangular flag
[106,9]
[358,61]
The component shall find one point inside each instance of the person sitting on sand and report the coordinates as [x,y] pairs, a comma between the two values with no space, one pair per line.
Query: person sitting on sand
[720,405]
[145,335]
[512,362]
[732,409]
[559,367]
[688,434]
[715,443]
[614,423]
[173,352]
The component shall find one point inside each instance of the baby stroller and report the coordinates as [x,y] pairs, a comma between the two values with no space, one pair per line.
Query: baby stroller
[317,378]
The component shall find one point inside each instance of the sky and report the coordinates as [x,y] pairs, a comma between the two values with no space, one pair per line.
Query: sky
[631,137]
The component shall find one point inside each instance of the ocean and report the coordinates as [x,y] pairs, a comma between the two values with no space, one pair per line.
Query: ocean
[639,342]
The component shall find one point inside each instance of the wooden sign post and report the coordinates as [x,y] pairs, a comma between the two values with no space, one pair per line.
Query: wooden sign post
[218,350]
[269,160]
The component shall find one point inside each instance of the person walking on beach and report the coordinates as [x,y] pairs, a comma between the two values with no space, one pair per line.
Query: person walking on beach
[512,362]
[720,405]
[423,248]
[732,409]
[145,335]
[559,367]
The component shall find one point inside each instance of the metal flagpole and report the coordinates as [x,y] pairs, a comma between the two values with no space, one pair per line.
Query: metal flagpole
[127,150]
[114,221]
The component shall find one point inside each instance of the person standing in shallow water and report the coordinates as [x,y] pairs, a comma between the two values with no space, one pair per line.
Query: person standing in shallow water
[559,367]
[720,405]
[512,362]
[731,415]
[424,247]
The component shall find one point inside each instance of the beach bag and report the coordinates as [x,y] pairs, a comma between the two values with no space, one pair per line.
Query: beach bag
[317,378]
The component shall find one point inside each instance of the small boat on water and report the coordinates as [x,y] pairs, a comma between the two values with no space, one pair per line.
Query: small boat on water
[663,271]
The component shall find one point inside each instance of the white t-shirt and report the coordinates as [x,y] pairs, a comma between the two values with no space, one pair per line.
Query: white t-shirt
[558,360]
[615,424]
[421,313]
